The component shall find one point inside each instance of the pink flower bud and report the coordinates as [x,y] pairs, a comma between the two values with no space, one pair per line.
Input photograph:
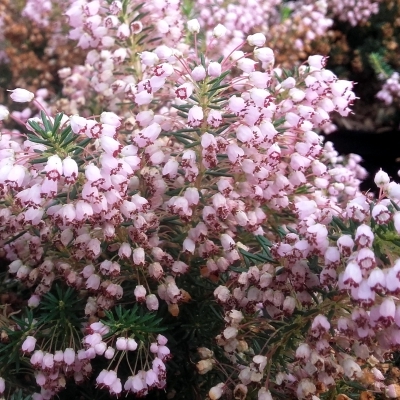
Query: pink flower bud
[123,31]
[29,344]
[48,361]
[345,244]
[100,348]
[58,357]
[377,280]
[34,301]
[109,378]
[110,145]
[131,344]
[364,236]
[110,118]
[69,356]
[265,55]
[198,73]
[152,302]
[109,353]
[155,270]
[93,282]
[70,170]
[214,69]
[138,256]
[125,250]
[149,58]
[195,116]
[246,65]
[140,292]
[387,311]
[352,275]
[121,343]
[170,169]
[154,348]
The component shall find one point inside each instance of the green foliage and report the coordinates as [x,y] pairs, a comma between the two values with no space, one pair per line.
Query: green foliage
[18,395]
[58,140]
[10,349]
[137,321]
[382,69]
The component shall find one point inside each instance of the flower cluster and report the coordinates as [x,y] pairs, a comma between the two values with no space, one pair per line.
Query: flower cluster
[141,381]
[390,89]
[354,12]
[294,286]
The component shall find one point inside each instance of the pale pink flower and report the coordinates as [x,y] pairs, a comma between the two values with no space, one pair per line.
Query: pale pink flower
[109,353]
[110,118]
[69,356]
[381,214]
[121,343]
[152,302]
[184,91]
[138,256]
[265,55]
[258,39]
[214,69]
[131,344]
[29,344]
[364,236]
[21,95]
[198,73]
[140,293]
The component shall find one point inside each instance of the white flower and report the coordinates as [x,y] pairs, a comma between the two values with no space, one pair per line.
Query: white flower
[4,113]
[21,95]
[193,26]
[198,73]
[219,31]
[110,118]
[381,179]
[29,344]
[258,39]
[214,69]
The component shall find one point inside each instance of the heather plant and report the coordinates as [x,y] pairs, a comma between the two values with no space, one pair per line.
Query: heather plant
[181,231]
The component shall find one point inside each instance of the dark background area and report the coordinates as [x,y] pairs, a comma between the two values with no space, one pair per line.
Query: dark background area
[378,150]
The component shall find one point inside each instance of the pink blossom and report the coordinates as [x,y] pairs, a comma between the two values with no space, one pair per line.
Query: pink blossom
[195,116]
[184,91]
[29,344]
[198,73]
[152,302]
[364,236]
[214,69]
